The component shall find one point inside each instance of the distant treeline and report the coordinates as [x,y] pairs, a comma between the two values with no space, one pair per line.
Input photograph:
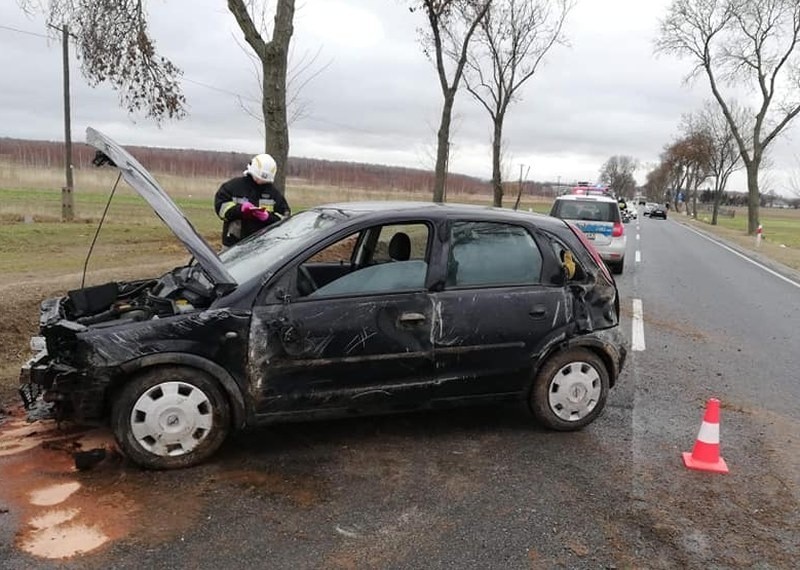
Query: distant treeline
[190,162]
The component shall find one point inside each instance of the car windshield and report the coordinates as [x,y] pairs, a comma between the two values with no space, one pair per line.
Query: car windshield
[255,255]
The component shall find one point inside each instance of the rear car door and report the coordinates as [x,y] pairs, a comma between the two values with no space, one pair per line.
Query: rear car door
[494,312]
[361,342]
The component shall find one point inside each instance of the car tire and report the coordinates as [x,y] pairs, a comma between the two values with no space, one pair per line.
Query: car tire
[570,390]
[617,267]
[170,417]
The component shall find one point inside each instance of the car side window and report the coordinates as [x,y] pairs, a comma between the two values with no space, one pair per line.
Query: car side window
[391,258]
[490,254]
[573,270]
[401,243]
[341,251]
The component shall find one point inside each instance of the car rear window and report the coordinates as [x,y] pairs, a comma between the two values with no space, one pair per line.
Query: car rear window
[588,210]
[486,254]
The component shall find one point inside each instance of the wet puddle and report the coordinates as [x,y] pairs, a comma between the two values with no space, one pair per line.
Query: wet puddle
[61,515]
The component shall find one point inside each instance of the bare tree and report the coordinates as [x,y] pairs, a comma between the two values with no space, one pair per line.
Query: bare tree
[742,43]
[273,54]
[687,160]
[725,158]
[114,46]
[658,182]
[510,44]
[451,26]
[301,71]
[617,172]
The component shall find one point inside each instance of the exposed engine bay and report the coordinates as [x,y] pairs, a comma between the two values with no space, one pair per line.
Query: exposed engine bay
[183,289]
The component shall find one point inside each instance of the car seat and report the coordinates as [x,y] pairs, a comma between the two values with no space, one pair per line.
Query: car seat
[400,247]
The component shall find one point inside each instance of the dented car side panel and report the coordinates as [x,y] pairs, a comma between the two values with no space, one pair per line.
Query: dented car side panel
[85,364]
[321,354]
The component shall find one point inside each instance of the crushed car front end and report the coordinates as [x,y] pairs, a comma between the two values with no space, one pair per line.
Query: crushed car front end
[54,372]
[87,337]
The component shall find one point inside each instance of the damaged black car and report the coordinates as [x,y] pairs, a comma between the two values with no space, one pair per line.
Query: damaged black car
[343,309]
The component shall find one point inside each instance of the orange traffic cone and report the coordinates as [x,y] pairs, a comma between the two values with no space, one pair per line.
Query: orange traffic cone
[705,455]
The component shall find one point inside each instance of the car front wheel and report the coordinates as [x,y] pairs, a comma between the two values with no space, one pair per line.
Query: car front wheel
[570,390]
[170,417]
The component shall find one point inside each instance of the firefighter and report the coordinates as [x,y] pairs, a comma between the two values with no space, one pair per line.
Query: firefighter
[250,202]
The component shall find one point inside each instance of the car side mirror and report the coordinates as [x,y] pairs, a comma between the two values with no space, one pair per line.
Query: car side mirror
[282,295]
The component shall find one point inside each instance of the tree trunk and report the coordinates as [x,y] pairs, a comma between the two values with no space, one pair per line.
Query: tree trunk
[717,198]
[497,175]
[273,105]
[443,148]
[752,196]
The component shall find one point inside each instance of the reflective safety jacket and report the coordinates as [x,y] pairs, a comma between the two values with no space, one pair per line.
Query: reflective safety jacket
[228,201]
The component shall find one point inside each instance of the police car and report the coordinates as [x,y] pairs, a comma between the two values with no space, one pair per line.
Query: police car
[597,216]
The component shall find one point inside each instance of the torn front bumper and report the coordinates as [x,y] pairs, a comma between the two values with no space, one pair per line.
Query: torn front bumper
[73,393]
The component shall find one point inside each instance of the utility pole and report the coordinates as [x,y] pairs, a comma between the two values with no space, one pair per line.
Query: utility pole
[519,189]
[67,201]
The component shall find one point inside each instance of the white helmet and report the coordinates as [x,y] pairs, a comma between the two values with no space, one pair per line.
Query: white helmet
[262,167]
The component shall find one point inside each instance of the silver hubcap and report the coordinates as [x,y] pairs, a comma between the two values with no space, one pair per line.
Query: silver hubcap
[172,418]
[574,391]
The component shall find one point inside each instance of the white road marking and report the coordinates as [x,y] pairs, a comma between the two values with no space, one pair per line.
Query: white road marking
[637,335]
[637,236]
[638,256]
[756,263]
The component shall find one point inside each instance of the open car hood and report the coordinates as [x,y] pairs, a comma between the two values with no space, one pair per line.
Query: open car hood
[147,187]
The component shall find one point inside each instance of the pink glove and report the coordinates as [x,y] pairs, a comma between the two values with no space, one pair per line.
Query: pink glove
[250,211]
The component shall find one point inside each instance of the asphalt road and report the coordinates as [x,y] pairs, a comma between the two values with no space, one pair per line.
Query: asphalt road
[485,488]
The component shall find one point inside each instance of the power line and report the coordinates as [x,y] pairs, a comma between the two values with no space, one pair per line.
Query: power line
[221,90]
[308,118]
[9,28]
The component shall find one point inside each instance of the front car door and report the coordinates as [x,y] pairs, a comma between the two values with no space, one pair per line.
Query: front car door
[357,339]
[495,312]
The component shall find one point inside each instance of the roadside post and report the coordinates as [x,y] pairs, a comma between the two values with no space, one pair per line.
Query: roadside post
[759,232]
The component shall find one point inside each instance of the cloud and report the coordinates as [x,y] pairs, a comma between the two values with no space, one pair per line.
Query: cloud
[377,98]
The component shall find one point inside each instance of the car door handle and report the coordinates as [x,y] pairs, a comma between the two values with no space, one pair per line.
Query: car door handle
[408,318]
[538,312]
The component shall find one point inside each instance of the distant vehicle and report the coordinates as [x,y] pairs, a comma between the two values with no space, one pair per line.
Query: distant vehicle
[600,219]
[658,211]
[648,207]
[340,310]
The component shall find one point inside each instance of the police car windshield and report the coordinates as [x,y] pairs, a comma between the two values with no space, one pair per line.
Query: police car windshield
[269,248]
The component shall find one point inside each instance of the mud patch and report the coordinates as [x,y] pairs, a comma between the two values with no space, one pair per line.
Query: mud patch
[301,491]
[53,494]
[94,508]
[64,541]
[671,326]
[53,518]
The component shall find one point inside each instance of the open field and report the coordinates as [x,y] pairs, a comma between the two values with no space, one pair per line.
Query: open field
[781,237]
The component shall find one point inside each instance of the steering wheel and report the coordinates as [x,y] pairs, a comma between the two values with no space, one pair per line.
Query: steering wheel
[305,282]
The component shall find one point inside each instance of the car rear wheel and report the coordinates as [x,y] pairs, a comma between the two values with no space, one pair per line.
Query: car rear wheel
[170,417]
[617,266]
[570,390]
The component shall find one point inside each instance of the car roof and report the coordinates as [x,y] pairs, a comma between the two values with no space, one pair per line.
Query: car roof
[587,198]
[431,210]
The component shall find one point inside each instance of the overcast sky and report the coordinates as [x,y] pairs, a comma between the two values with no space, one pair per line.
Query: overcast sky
[377,99]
